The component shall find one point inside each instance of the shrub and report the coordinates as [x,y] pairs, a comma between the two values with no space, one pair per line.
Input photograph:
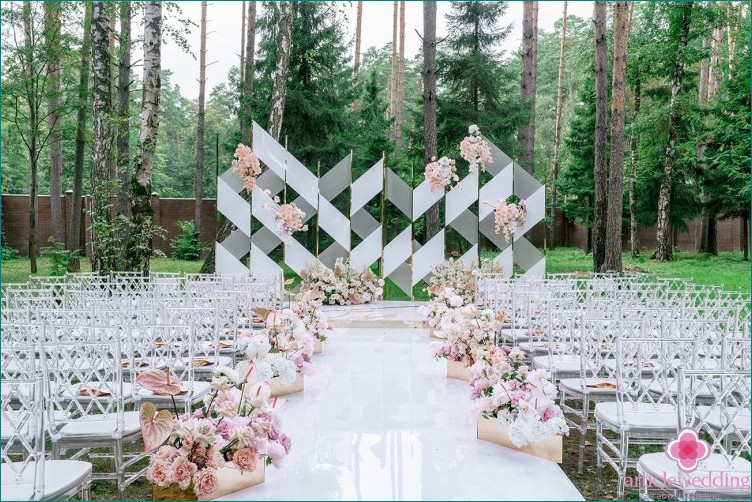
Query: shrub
[61,257]
[187,246]
[8,253]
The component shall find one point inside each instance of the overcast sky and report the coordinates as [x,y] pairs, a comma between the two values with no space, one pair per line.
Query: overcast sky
[223,42]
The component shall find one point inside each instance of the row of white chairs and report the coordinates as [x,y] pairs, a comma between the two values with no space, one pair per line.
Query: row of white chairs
[624,351]
[72,348]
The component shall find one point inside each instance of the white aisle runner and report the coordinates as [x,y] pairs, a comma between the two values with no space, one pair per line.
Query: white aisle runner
[380,421]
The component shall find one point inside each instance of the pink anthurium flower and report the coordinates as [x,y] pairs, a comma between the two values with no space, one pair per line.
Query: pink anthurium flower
[160,382]
[156,426]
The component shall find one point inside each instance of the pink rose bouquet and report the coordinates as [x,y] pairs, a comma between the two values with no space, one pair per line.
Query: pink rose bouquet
[247,166]
[508,217]
[467,330]
[520,399]
[234,428]
[289,219]
[475,150]
[441,173]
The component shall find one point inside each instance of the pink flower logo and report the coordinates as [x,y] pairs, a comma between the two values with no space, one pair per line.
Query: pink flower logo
[688,450]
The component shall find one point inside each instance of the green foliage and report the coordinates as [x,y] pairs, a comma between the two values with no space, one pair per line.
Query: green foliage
[477,86]
[60,257]
[575,182]
[187,246]
[8,253]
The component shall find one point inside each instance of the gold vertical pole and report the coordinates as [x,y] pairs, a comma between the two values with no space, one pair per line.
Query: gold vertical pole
[318,215]
[412,228]
[284,195]
[383,215]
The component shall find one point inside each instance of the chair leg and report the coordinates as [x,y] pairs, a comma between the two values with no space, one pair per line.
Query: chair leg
[583,433]
[623,456]
[119,471]
[598,457]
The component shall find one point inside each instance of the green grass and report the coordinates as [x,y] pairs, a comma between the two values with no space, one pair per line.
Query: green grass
[728,269]
[17,269]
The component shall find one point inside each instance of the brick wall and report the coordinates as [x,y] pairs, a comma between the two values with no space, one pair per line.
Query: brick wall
[15,219]
[167,212]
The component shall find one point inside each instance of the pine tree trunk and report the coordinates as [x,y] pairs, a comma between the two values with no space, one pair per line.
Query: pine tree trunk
[745,236]
[703,245]
[101,161]
[123,123]
[664,250]
[601,131]
[589,231]
[242,46]
[358,37]
[139,248]
[246,98]
[429,103]
[557,127]
[78,169]
[32,110]
[393,74]
[633,239]
[528,82]
[52,40]
[400,81]
[199,185]
[615,211]
[284,46]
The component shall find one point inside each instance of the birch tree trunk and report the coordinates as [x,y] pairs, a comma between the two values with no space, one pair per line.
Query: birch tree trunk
[612,261]
[664,250]
[429,103]
[557,126]
[601,131]
[284,46]
[528,81]
[633,140]
[139,248]
[199,184]
[400,81]
[101,260]
[246,97]
[52,40]
[123,111]
[74,235]
[358,37]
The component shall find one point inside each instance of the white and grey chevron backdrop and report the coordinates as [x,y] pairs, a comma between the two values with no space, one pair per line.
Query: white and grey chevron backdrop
[405,261]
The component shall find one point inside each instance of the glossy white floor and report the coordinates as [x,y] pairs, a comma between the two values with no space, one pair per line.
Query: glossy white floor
[380,421]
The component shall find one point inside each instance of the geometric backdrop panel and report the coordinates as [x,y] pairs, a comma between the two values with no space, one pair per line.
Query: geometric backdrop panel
[405,261]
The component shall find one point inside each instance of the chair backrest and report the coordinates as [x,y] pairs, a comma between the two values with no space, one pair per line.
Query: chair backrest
[22,407]
[723,421]
[84,383]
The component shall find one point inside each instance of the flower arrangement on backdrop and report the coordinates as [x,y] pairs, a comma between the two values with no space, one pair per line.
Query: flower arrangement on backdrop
[509,216]
[520,399]
[441,173]
[235,428]
[475,150]
[467,329]
[289,218]
[343,284]
[246,164]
